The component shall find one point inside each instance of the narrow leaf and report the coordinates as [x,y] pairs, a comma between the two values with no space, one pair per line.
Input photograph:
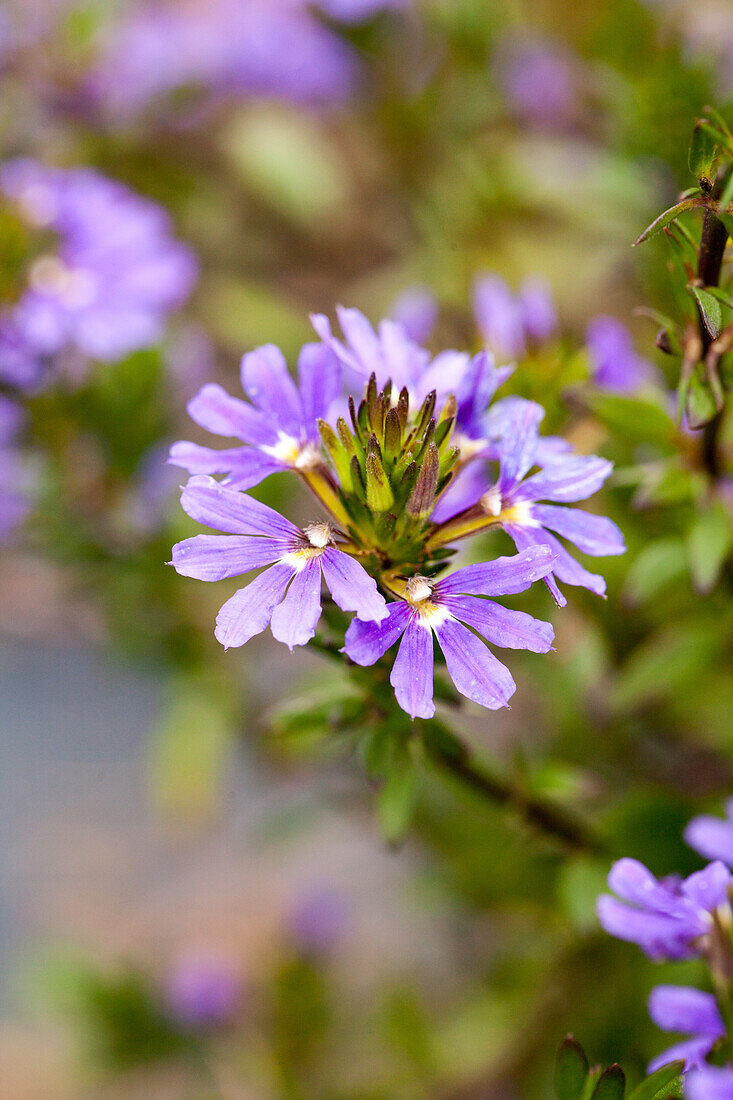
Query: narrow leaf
[611,1084]
[669,216]
[665,1084]
[703,150]
[710,311]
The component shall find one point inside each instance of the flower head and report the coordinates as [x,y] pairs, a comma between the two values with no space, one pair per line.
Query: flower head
[668,919]
[278,425]
[679,1008]
[203,990]
[287,594]
[441,608]
[108,276]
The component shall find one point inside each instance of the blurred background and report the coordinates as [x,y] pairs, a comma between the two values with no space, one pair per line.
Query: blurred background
[196,900]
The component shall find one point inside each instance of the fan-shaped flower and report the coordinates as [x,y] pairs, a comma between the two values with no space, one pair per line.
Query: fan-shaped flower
[287,594]
[666,918]
[679,1008]
[442,608]
[278,426]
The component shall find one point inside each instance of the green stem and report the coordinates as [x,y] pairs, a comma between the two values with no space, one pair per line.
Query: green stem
[453,756]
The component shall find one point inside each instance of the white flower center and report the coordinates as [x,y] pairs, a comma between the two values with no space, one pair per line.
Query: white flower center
[418,588]
[73,287]
[319,535]
[289,450]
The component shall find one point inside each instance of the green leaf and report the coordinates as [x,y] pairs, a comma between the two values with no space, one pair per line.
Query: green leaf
[703,150]
[658,564]
[611,1085]
[719,122]
[701,403]
[669,216]
[659,1084]
[710,310]
[571,1069]
[722,295]
[669,661]
[709,543]
[634,418]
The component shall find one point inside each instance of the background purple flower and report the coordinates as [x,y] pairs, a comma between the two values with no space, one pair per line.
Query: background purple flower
[665,918]
[539,79]
[416,309]
[614,362]
[111,276]
[509,323]
[441,608]
[318,919]
[203,990]
[278,428]
[712,836]
[286,595]
[14,500]
[237,47]
[679,1008]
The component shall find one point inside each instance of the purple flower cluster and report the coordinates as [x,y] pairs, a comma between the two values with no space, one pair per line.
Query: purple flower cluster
[540,80]
[615,363]
[264,48]
[674,919]
[394,505]
[107,277]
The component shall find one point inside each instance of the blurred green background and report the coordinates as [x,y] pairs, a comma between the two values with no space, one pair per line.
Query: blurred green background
[157,797]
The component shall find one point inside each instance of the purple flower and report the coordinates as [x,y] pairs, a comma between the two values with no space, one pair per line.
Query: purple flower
[278,427]
[614,361]
[678,1008]
[110,276]
[540,81]
[390,354]
[516,499]
[14,502]
[319,919]
[666,918]
[710,1083]
[441,608]
[204,990]
[510,323]
[416,310]
[287,595]
[711,836]
[267,48]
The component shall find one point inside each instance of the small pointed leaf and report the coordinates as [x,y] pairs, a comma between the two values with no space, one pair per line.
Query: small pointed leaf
[664,1084]
[611,1085]
[703,150]
[710,311]
[571,1070]
[669,216]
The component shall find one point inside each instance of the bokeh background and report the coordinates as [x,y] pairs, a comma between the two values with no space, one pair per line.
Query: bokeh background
[196,899]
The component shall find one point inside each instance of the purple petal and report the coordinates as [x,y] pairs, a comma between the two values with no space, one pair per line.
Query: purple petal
[708,888]
[249,610]
[351,586]
[501,577]
[319,372]
[366,642]
[245,466]
[294,621]
[498,317]
[564,567]
[206,501]
[267,383]
[518,447]
[416,310]
[445,375]
[575,479]
[710,1083]
[635,883]
[412,672]
[712,837]
[596,535]
[659,935]
[474,670]
[680,1008]
[499,625]
[214,557]
[692,1052]
[215,410]
[466,489]
[537,309]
